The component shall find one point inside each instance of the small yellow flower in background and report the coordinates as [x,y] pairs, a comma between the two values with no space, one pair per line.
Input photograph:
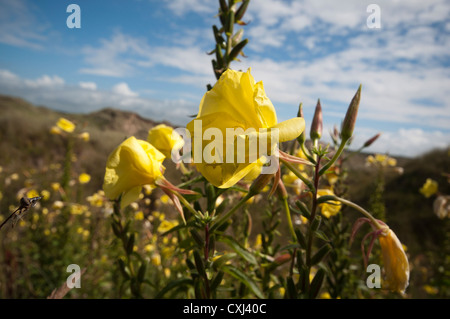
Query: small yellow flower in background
[96,199]
[45,194]
[395,262]
[167,272]
[55,186]
[14,176]
[58,204]
[32,193]
[429,188]
[391,161]
[236,102]
[330,208]
[84,136]
[55,130]
[167,225]
[65,125]
[380,158]
[47,232]
[80,230]
[1,195]
[149,248]
[156,259]
[77,209]
[325,295]
[431,290]
[84,178]
[164,199]
[131,165]
[164,139]
[1,169]
[139,215]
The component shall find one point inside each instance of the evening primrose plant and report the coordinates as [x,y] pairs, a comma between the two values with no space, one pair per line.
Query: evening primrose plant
[234,151]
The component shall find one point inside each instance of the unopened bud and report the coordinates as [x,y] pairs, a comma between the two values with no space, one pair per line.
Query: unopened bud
[350,117]
[316,126]
[371,140]
[282,259]
[259,183]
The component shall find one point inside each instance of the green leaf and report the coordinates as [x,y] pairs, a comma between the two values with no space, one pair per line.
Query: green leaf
[238,48]
[217,280]
[326,198]
[291,289]
[304,210]
[320,234]
[242,277]
[173,284]
[300,238]
[222,260]
[241,251]
[198,239]
[320,254]
[199,263]
[130,244]
[316,283]
[141,272]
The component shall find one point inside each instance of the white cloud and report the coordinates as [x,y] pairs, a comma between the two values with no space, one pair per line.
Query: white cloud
[407,142]
[182,7]
[19,25]
[122,55]
[123,89]
[53,92]
[88,85]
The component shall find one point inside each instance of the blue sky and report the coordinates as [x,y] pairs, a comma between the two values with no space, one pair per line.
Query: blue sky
[149,56]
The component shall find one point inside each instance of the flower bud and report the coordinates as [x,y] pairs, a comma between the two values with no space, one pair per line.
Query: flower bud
[316,126]
[350,117]
[301,138]
[259,183]
[371,140]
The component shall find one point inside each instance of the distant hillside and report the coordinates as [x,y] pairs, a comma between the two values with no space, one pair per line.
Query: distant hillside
[26,142]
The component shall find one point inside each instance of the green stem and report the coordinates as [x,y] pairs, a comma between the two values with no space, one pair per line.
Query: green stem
[298,174]
[361,210]
[334,158]
[192,181]
[225,217]
[289,219]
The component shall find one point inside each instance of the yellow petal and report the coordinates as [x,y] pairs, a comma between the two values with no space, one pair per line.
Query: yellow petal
[395,262]
[290,129]
[130,196]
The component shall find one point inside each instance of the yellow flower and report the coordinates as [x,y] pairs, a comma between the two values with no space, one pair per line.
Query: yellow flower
[45,194]
[58,204]
[164,199]
[55,186]
[65,125]
[391,161]
[429,188]
[164,139]
[156,259]
[55,130]
[238,104]
[84,178]
[32,193]
[131,165]
[1,195]
[139,215]
[431,290]
[330,208]
[84,136]
[167,225]
[395,262]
